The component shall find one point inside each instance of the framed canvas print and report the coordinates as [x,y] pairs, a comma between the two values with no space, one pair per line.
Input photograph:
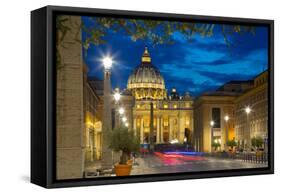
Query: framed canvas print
[124,96]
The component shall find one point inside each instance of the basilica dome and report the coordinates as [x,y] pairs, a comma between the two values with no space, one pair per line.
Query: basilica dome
[146,82]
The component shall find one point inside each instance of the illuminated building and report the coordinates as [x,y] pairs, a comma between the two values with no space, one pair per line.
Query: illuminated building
[217,107]
[253,123]
[238,110]
[93,124]
[172,114]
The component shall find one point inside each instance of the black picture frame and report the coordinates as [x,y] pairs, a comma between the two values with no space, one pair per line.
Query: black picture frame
[43,92]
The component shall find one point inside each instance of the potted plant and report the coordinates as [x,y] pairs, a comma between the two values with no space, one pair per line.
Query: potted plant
[126,142]
[216,145]
[257,142]
[231,143]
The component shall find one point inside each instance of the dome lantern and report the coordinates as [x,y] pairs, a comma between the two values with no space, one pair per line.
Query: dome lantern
[146,56]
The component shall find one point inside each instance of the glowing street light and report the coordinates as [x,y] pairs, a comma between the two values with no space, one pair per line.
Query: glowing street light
[212,123]
[126,124]
[226,118]
[121,111]
[117,96]
[107,63]
[248,110]
[124,119]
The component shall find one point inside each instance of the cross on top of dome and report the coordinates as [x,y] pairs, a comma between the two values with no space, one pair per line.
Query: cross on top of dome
[146,56]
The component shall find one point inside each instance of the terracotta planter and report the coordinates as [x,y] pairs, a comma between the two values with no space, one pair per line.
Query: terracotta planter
[123,169]
[130,162]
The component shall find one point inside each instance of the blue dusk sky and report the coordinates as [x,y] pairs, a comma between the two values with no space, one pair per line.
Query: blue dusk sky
[196,65]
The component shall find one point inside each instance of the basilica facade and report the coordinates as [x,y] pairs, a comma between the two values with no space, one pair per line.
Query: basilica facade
[155,115]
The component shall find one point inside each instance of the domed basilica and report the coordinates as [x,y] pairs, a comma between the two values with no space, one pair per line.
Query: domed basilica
[156,116]
[146,82]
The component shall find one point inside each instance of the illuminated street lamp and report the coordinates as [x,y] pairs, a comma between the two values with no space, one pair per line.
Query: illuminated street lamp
[117,96]
[107,63]
[124,119]
[226,118]
[121,111]
[106,160]
[126,124]
[248,110]
[212,123]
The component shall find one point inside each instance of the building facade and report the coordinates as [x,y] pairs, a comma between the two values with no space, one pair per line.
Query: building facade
[215,116]
[93,122]
[214,121]
[254,122]
[237,110]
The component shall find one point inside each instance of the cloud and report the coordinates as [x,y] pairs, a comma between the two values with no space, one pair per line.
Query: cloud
[196,65]
[221,78]
[215,62]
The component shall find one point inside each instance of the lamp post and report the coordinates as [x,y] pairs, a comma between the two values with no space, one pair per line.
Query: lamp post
[226,118]
[248,110]
[106,160]
[212,123]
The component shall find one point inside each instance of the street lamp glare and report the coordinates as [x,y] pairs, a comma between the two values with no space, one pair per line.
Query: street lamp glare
[124,119]
[117,96]
[248,110]
[226,118]
[212,123]
[126,124]
[121,111]
[107,62]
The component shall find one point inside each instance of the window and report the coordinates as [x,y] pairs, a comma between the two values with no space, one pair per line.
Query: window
[165,105]
[216,117]
[175,106]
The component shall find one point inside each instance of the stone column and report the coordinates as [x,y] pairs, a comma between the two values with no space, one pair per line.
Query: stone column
[135,126]
[151,130]
[158,130]
[161,130]
[181,127]
[170,128]
[106,160]
[141,131]
[191,123]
